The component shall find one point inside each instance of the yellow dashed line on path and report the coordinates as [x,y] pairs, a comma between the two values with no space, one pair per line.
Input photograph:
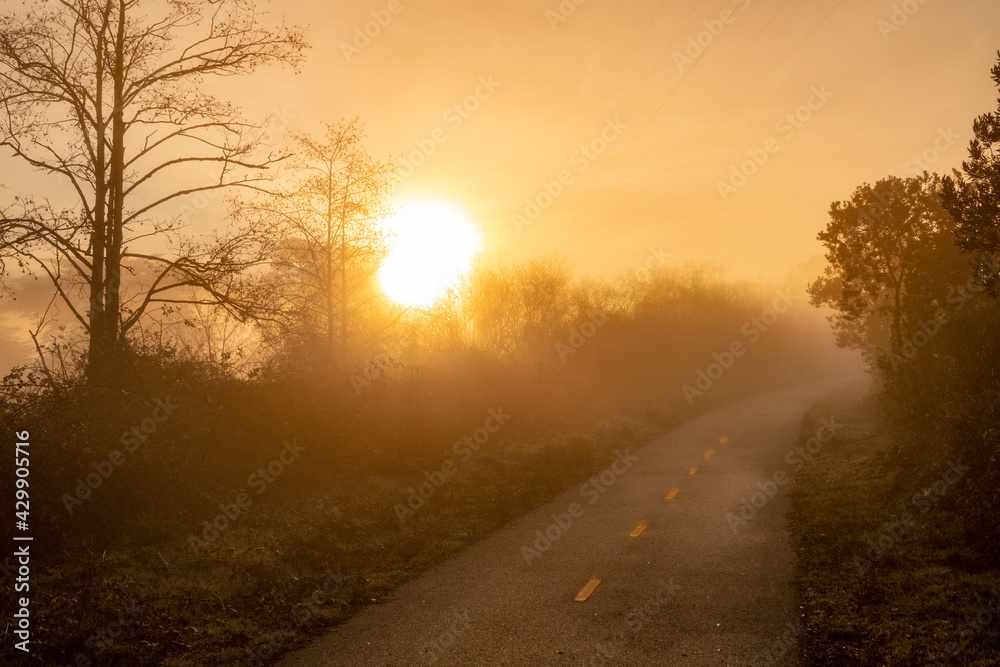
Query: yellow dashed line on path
[709,453]
[724,439]
[587,590]
[693,470]
[672,493]
[639,529]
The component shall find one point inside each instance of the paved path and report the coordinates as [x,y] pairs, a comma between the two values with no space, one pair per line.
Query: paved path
[689,590]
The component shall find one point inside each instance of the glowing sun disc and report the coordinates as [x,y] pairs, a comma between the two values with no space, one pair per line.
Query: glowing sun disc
[433,244]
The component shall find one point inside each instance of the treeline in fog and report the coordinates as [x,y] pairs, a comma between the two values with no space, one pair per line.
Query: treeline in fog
[228,461]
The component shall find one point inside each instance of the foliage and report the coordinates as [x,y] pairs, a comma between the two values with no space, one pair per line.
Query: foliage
[973,198]
[891,260]
[929,324]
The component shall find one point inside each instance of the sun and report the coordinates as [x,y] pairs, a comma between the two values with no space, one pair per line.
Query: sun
[432,245]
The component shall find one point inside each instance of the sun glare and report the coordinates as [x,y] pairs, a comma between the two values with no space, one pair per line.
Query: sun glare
[433,244]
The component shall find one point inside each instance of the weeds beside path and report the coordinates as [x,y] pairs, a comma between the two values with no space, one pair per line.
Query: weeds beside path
[885,575]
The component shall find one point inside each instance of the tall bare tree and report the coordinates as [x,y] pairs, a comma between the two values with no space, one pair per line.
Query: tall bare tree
[329,216]
[107,96]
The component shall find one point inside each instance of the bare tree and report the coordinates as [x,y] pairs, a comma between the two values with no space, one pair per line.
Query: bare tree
[329,217]
[106,96]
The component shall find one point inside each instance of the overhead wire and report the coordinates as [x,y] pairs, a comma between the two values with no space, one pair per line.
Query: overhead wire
[618,158]
[574,147]
[823,20]
[621,70]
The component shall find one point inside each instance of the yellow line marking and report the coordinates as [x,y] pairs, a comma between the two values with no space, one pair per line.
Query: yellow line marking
[709,453]
[587,590]
[672,493]
[724,439]
[693,470]
[639,529]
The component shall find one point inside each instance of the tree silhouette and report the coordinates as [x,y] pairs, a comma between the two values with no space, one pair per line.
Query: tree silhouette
[105,97]
[891,260]
[974,198]
[328,216]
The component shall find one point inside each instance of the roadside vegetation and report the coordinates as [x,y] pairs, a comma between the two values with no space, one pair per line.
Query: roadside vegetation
[887,575]
[898,523]
[211,510]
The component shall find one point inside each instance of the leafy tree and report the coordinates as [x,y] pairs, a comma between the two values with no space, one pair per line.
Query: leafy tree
[105,98]
[973,198]
[890,262]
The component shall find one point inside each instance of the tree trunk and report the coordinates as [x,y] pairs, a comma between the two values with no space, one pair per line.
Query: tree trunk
[97,351]
[897,320]
[105,337]
[343,268]
[113,257]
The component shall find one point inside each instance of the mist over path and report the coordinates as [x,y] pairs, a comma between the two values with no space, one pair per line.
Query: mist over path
[693,588]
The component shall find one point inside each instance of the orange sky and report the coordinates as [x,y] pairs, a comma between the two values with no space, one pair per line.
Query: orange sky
[679,122]
[657,184]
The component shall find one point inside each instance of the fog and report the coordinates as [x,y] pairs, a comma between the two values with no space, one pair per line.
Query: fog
[326,327]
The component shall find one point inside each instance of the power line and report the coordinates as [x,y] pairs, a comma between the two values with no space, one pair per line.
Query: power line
[759,84]
[730,112]
[621,155]
[658,60]
[573,146]
[607,92]
[712,87]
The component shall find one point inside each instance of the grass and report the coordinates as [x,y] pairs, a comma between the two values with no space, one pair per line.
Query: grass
[116,582]
[911,605]
[292,565]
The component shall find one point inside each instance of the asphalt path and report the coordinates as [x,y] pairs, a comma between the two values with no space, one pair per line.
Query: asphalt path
[687,536]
